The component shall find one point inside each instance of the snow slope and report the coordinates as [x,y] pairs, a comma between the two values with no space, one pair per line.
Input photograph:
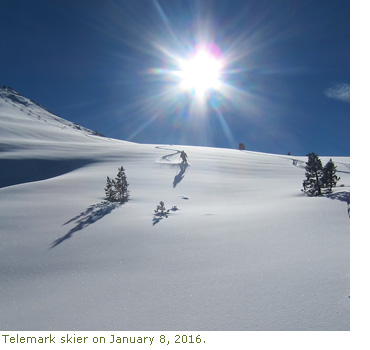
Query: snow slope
[246,250]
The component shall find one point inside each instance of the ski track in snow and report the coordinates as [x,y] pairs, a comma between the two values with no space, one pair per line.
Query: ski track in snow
[166,159]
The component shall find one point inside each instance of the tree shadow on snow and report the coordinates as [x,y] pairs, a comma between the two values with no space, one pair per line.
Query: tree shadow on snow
[341,196]
[91,215]
[158,217]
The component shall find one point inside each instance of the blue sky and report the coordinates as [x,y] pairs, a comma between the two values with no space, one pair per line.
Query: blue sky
[108,65]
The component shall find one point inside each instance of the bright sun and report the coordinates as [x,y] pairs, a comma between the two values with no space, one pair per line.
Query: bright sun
[200,73]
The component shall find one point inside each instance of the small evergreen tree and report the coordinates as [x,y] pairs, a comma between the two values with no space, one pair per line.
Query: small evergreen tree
[161,209]
[121,186]
[329,177]
[117,190]
[109,190]
[314,170]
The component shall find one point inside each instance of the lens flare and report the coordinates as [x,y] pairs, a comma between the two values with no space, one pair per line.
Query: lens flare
[192,78]
[200,73]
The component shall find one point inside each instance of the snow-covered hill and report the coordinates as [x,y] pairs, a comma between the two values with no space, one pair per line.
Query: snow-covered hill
[246,249]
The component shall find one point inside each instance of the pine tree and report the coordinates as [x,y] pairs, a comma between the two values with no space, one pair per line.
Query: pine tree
[329,177]
[109,190]
[314,171]
[121,186]
[117,190]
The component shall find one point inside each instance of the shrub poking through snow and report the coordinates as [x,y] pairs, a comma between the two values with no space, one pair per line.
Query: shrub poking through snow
[161,210]
[162,213]
[117,190]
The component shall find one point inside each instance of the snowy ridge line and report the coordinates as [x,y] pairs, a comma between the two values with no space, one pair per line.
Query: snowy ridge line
[37,112]
[15,96]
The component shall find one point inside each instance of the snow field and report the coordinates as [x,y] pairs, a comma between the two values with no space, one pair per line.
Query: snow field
[246,250]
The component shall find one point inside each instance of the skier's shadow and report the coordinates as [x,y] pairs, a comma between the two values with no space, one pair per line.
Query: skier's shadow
[178,178]
[91,215]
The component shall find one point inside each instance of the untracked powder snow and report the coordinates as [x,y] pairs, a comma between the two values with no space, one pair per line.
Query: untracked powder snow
[241,247]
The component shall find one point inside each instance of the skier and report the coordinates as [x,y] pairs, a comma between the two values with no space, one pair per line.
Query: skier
[184,157]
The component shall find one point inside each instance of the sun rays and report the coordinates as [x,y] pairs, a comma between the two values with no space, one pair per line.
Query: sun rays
[191,81]
[200,73]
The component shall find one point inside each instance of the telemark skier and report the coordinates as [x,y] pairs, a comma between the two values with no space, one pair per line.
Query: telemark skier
[184,157]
